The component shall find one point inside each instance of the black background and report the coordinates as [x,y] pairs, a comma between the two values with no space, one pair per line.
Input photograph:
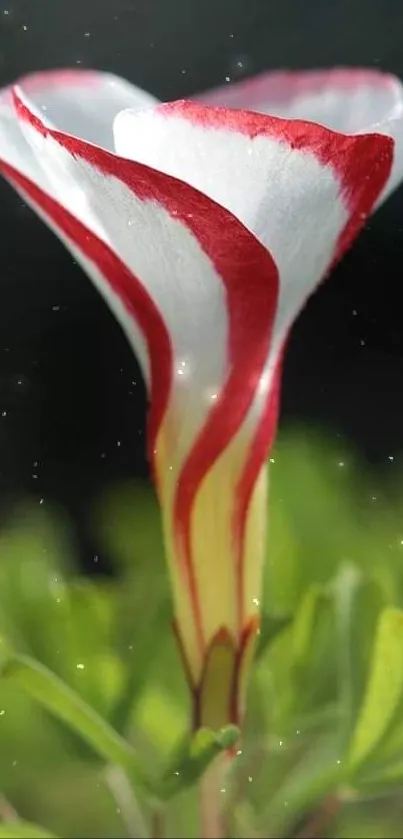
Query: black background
[72,404]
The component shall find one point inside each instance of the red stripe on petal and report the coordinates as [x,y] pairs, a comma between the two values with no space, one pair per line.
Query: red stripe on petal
[125,285]
[251,281]
[258,452]
[282,86]
[62,77]
[250,278]
[362,162]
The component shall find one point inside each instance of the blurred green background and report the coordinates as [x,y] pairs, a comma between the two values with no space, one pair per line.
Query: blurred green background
[322,753]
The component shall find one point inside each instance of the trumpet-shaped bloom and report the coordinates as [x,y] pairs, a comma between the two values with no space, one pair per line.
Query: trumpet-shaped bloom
[205,229]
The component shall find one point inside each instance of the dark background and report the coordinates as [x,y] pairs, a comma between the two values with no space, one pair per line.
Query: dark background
[72,405]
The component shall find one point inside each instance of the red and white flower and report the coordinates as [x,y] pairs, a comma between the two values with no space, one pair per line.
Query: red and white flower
[206,226]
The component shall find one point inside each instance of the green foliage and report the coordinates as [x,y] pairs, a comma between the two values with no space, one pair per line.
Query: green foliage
[94,708]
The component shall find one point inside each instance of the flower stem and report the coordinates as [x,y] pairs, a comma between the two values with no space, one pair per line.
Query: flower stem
[126,802]
[211,786]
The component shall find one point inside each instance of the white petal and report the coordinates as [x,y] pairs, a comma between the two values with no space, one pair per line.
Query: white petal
[79,102]
[14,150]
[82,102]
[349,100]
[352,100]
[269,173]
[154,236]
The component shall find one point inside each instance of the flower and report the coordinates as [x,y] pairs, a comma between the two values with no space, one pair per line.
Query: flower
[205,229]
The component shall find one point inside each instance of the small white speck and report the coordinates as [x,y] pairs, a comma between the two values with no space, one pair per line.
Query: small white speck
[55,308]
[118,443]
[272,460]
[4,413]
[250,779]
[176,773]
[374,498]
[14,763]
[228,79]
[2,712]
[341,463]
[96,558]
[223,789]
[391,457]
[6,12]
[338,762]
[24,27]
[87,34]
[362,342]
[80,666]
[41,500]
[355,311]
[239,752]
[255,601]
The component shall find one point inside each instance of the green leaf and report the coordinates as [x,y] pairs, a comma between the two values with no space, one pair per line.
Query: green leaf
[271,626]
[61,701]
[384,687]
[23,830]
[194,756]
[313,654]
[358,603]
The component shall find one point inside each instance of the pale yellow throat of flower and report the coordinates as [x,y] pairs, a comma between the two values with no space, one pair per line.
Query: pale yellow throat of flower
[216,612]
